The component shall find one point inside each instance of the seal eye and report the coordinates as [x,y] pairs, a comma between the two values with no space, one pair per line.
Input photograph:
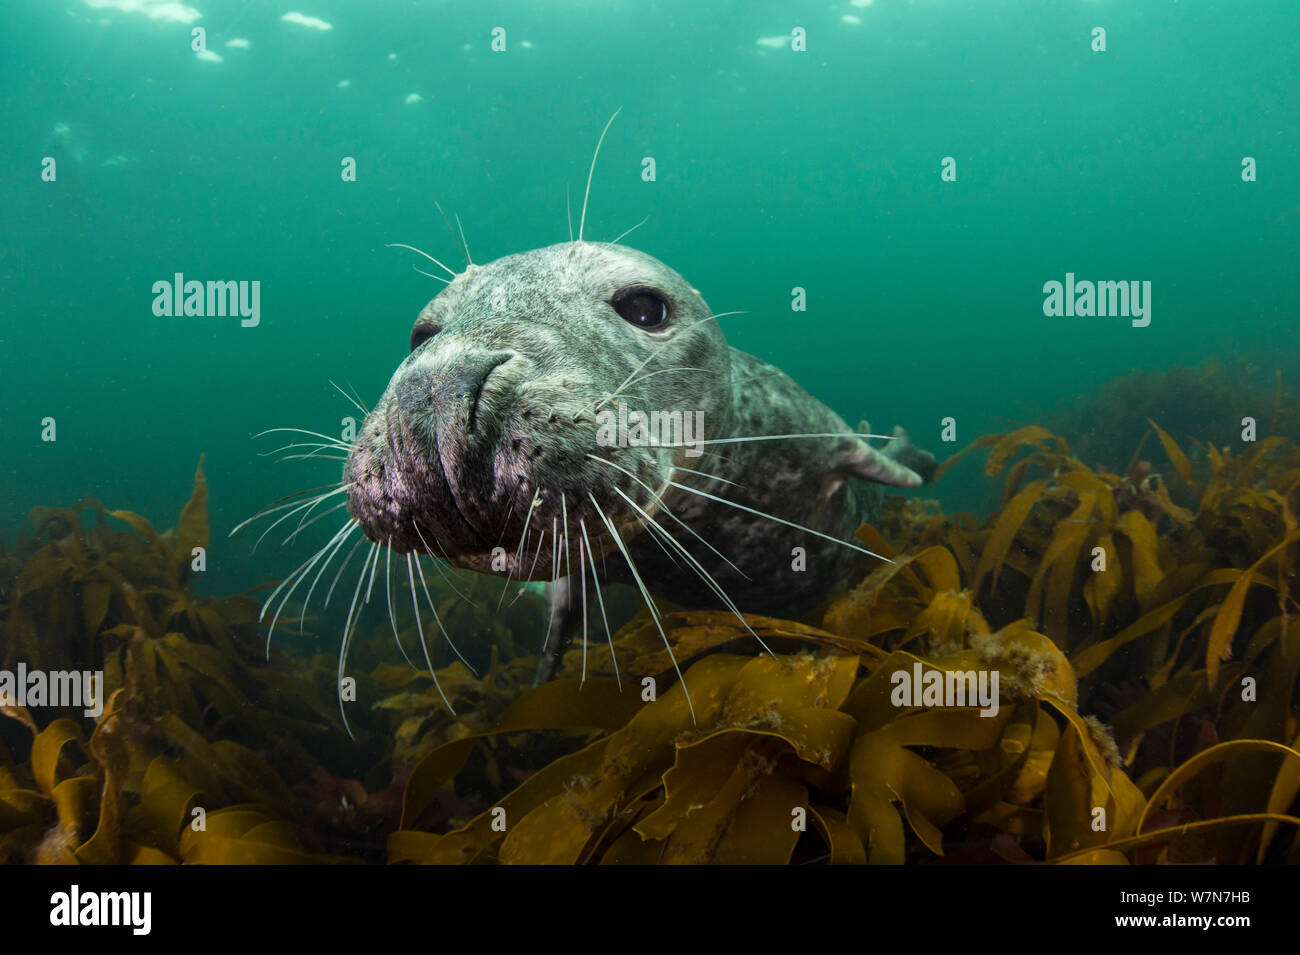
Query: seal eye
[642,308]
[421,334]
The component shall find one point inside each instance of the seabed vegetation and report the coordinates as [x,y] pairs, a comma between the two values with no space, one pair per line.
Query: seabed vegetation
[1139,622]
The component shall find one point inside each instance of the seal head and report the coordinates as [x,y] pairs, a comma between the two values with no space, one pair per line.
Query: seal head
[490,424]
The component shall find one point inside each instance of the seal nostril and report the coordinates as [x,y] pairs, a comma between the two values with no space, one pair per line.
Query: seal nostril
[458,386]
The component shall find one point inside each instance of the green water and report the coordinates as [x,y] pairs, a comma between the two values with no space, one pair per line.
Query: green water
[775,169]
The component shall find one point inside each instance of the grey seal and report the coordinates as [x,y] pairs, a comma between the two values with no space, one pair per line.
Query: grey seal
[492,447]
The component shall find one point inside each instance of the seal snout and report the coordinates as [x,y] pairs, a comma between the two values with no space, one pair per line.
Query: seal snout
[428,448]
[395,487]
[452,389]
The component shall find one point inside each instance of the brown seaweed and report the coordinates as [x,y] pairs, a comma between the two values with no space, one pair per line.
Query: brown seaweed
[814,734]
[1140,627]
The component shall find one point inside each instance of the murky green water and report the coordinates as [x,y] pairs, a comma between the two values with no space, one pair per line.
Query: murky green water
[774,168]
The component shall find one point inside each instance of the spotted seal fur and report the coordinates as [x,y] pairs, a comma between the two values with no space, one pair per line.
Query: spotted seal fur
[486,449]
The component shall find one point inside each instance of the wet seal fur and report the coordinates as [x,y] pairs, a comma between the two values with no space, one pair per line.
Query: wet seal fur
[484,450]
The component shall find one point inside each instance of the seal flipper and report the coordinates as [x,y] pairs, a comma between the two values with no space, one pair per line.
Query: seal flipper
[902,450]
[891,466]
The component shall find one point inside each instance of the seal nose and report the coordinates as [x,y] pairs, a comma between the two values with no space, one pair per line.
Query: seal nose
[457,386]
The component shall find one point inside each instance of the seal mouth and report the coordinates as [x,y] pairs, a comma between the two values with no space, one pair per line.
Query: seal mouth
[491,468]
[399,492]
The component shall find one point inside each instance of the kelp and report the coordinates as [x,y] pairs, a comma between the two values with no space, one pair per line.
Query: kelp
[179,692]
[1085,591]
[122,601]
[97,801]
[1140,629]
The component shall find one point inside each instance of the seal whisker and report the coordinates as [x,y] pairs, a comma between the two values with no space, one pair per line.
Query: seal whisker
[699,569]
[303,526]
[360,407]
[354,614]
[667,553]
[655,353]
[288,504]
[306,601]
[357,399]
[582,525]
[624,235]
[315,502]
[374,566]
[315,434]
[564,511]
[307,564]
[306,505]
[536,554]
[582,578]
[645,594]
[770,517]
[555,548]
[388,590]
[464,247]
[301,444]
[610,396]
[464,244]
[665,371]
[298,576]
[734,381]
[279,505]
[773,437]
[505,525]
[261,615]
[438,620]
[583,221]
[430,275]
[555,582]
[523,538]
[424,646]
[400,245]
[705,474]
[667,510]
[342,567]
[438,566]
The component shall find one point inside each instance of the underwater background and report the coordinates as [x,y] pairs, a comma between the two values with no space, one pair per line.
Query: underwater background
[820,168]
